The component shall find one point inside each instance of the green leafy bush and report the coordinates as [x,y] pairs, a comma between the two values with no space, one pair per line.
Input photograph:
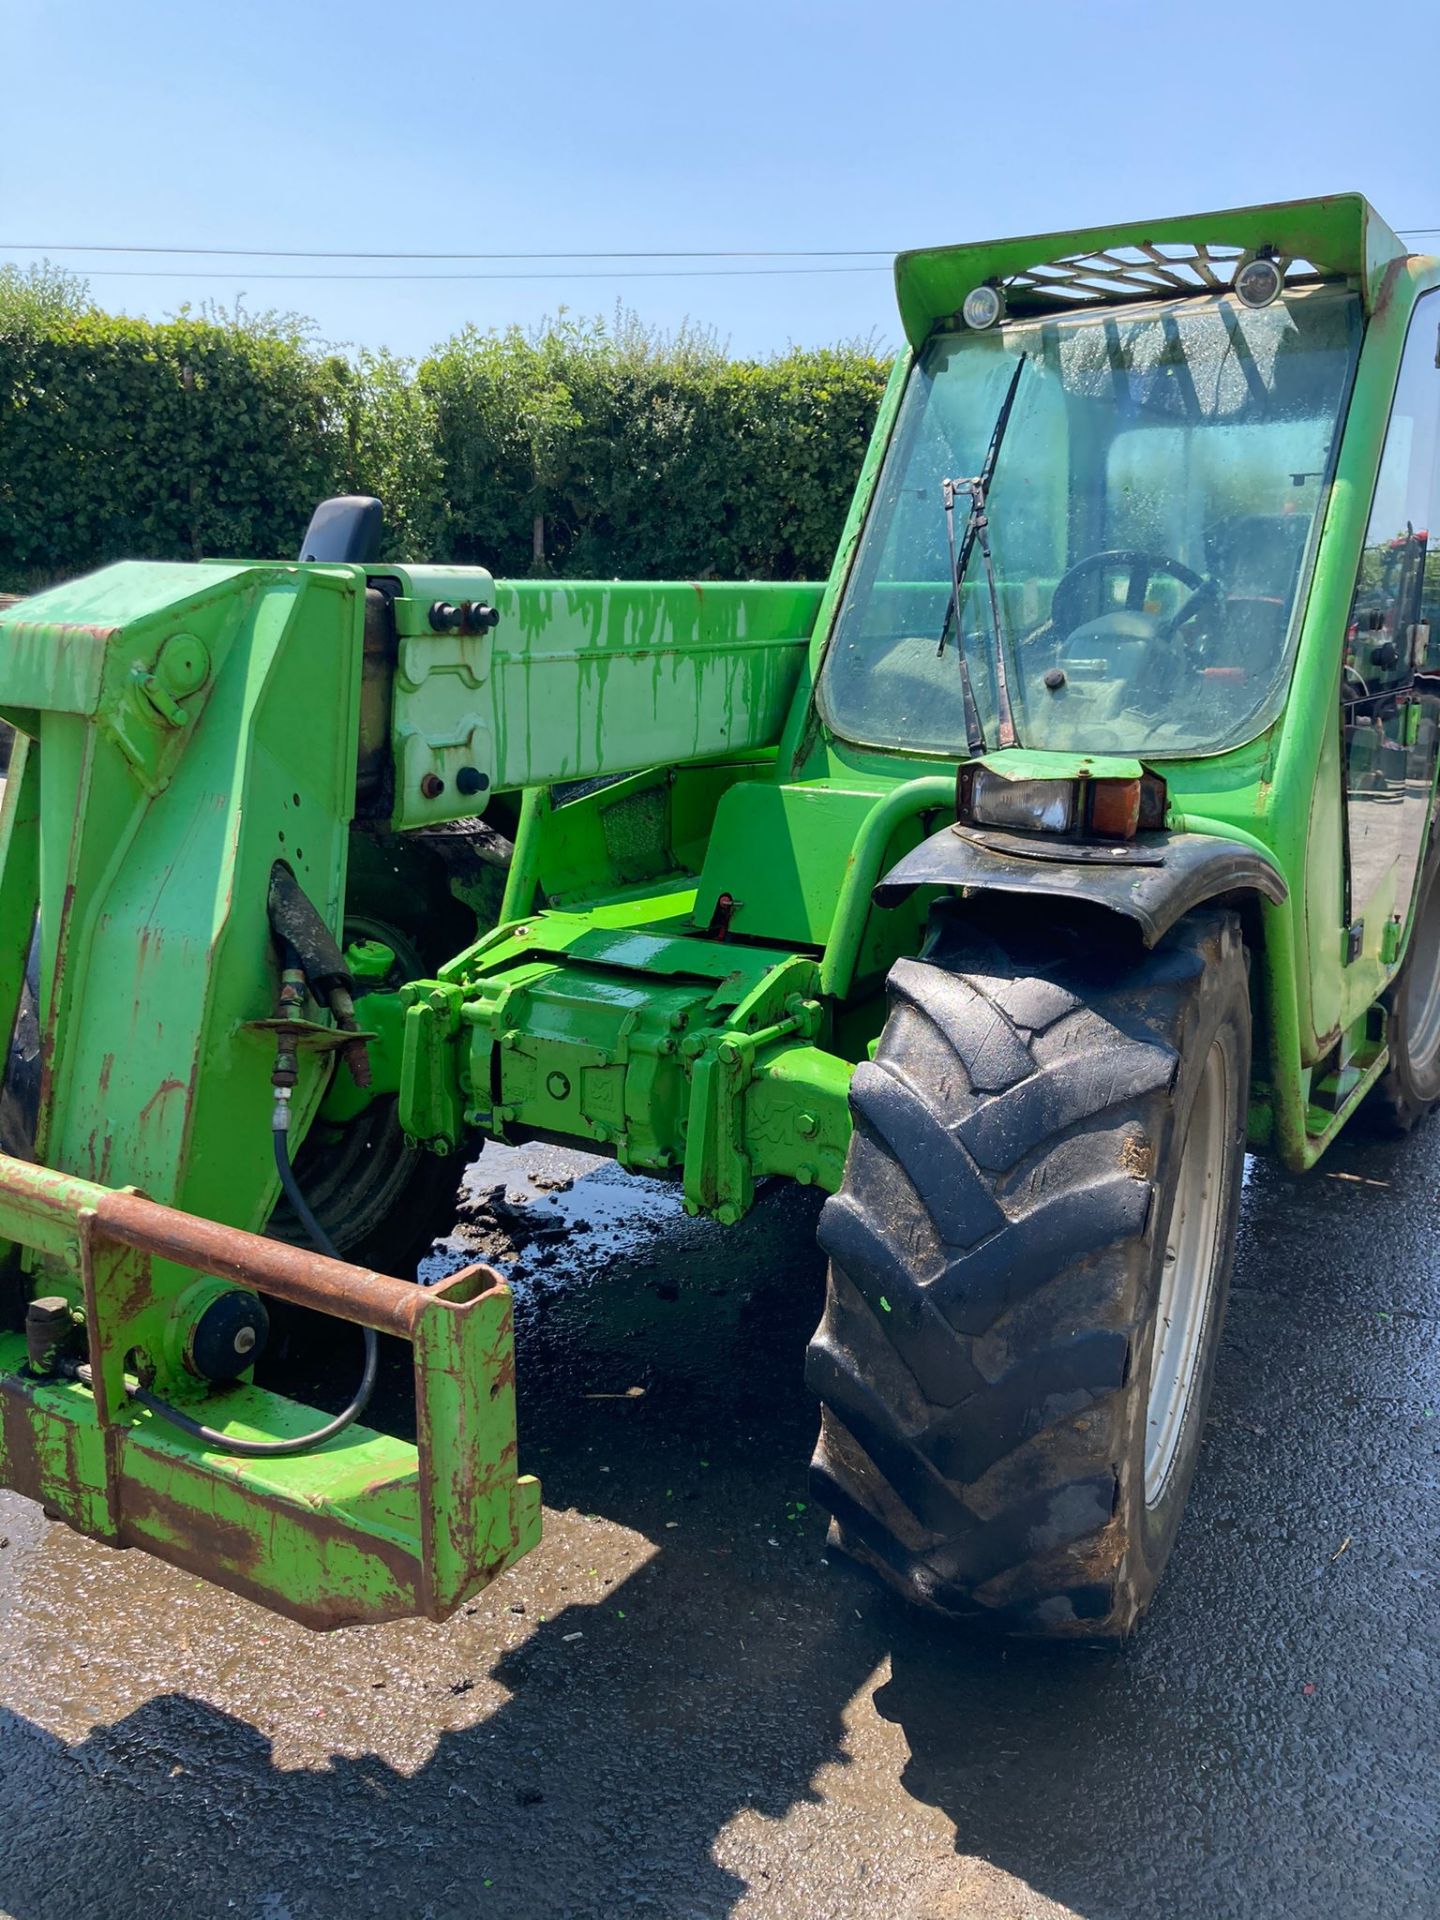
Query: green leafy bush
[588,448]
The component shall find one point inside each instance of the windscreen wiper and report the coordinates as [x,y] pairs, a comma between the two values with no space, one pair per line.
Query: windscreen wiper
[977,528]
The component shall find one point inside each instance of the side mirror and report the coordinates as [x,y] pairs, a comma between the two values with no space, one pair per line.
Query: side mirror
[346,529]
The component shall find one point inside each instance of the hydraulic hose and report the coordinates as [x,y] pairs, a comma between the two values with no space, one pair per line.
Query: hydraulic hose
[302,1442]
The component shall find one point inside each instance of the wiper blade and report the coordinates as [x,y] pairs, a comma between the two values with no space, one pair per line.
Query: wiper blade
[974,732]
[977,528]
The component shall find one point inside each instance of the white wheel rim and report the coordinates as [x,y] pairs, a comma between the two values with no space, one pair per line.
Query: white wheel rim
[1187,1276]
[1422,989]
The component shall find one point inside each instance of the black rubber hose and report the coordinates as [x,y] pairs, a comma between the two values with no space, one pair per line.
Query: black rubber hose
[302,1442]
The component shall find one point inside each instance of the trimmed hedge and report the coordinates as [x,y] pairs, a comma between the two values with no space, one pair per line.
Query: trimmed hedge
[587,449]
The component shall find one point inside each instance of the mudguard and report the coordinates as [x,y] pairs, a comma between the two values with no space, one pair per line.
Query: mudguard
[1154,880]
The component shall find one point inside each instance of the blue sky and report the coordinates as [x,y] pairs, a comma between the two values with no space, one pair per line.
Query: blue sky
[436,125]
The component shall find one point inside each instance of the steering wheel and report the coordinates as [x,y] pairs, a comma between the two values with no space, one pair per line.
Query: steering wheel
[1140,566]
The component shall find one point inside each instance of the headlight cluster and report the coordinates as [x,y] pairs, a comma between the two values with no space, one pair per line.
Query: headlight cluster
[1109,809]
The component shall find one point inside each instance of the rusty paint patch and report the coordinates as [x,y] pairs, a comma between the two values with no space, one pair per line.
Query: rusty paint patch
[17,1435]
[165,1088]
[232,1556]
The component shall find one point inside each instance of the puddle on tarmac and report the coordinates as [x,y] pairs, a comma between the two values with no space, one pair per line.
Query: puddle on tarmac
[607,1264]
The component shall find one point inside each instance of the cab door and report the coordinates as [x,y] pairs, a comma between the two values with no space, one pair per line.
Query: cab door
[1390,677]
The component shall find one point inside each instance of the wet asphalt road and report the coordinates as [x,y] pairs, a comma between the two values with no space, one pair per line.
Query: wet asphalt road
[682,1706]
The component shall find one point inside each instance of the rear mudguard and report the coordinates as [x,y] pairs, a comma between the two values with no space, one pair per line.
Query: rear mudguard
[1154,880]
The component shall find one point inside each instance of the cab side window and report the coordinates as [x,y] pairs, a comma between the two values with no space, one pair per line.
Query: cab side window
[1390,681]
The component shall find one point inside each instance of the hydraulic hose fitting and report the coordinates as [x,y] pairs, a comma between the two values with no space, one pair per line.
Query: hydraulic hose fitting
[290,1006]
[285,1074]
[314,957]
[357,1056]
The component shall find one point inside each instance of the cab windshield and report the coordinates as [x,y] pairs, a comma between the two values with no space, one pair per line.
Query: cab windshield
[1150,514]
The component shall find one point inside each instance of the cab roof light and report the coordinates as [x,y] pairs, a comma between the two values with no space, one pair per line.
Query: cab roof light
[1259,279]
[983,306]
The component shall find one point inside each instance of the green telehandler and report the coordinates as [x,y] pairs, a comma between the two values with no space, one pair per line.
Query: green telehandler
[1077,834]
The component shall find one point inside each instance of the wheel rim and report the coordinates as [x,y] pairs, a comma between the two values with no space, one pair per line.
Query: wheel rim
[1187,1276]
[1422,990]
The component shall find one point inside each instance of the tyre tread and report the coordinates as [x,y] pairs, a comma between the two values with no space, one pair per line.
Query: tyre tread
[1019,1095]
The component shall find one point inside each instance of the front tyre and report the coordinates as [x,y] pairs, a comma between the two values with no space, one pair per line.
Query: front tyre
[1030,1256]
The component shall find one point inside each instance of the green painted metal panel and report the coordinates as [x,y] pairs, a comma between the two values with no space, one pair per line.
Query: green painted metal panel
[643,832]
[593,678]
[1341,235]
[781,854]
[19,875]
[156,843]
[58,649]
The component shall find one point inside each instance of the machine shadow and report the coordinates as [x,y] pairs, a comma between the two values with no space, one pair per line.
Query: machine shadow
[640,1723]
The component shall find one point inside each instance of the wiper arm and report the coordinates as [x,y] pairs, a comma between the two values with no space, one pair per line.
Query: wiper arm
[974,732]
[977,528]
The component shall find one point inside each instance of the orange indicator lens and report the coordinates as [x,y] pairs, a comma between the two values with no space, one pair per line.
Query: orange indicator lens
[1115,808]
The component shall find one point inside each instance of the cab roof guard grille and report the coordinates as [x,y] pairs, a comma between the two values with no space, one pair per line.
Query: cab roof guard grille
[1139,273]
[1341,237]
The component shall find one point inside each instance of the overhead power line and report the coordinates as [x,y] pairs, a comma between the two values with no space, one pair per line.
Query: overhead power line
[556,253]
[847,255]
[312,253]
[627,253]
[657,273]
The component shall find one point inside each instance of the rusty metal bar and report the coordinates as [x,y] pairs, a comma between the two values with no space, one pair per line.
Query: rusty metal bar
[303,1278]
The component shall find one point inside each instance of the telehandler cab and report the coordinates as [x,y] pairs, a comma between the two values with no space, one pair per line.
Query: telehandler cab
[1075,835]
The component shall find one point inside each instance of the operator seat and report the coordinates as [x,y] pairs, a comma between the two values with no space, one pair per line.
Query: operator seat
[1255,558]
